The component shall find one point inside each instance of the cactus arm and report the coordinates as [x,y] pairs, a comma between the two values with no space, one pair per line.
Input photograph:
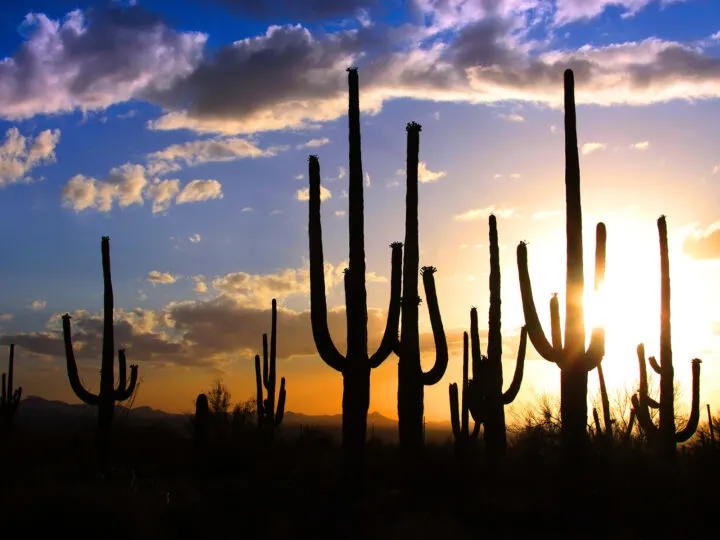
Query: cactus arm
[318,304]
[280,412]
[390,341]
[441,348]
[454,413]
[643,417]
[555,329]
[654,364]
[259,390]
[596,418]
[596,349]
[75,383]
[630,425]
[127,389]
[512,392]
[265,370]
[122,373]
[604,398]
[535,331]
[465,396]
[643,378]
[692,423]
[476,430]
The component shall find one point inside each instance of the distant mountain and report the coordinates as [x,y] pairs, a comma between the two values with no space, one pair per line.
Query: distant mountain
[36,413]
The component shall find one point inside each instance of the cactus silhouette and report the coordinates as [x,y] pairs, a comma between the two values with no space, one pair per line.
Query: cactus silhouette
[355,366]
[460,412]
[608,433]
[105,399]
[268,417]
[664,437]
[710,426]
[411,377]
[201,425]
[486,398]
[571,357]
[10,399]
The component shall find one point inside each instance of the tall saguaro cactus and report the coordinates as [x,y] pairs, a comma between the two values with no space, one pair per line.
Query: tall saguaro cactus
[460,412]
[10,400]
[487,399]
[664,437]
[411,377]
[571,356]
[268,417]
[355,366]
[105,399]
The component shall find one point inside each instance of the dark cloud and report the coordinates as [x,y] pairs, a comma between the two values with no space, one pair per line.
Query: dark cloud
[703,247]
[93,59]
[300,10]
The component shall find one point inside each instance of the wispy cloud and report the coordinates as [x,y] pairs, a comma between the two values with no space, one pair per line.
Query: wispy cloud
[38,305]
[164,278]
[642,145]
[484,213]
[200,190]
[544,214]
[304,194]
[512,117]
[195,238]
[19,154]
[314,143]
[590,147]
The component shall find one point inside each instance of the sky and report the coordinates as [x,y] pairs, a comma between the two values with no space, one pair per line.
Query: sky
[181,130]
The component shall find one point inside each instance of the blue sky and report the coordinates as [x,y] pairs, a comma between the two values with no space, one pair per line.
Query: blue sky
[181,130]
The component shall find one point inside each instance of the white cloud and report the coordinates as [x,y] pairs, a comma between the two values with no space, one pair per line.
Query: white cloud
[573,10]
[124,185]
[158,277]
[425,175]
[162,193]
[589,148]
[20,154]
[195,238]
[200,285]
[515,176]
[304,194]
[299,176]
[200,190]
[512,117]
[643,145]
[206,151]
[38,305]
[368,182]
[484,213]
[314,143]
[247,209]
[340,212]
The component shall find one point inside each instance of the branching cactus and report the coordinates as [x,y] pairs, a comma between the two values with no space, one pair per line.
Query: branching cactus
[571,356]
[411,377]
[10,400]
[105,399]
[664,437]
[268,417]
[487,399]
[356,364]
[459,410]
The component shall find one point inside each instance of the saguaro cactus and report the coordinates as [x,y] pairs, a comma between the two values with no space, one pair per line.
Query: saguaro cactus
[571,357]
[487,399]
[10,400]
[268,417]
[610,430]
[355,366]
[411,377]
[105,399]
[460,412]
[664,437]
[201,425]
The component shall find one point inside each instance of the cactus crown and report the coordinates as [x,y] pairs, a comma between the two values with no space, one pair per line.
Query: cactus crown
[428,270]
[396,245]
[413,126]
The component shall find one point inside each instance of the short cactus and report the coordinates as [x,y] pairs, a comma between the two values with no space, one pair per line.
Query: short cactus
[105,399]
[201,424]
[10,400]
[459,411]
[268,417]
[664,437]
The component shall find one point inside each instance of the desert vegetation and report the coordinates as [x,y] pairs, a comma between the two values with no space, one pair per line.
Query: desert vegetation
[241,469]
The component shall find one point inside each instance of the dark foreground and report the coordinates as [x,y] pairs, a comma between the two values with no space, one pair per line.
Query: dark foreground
[158,489]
